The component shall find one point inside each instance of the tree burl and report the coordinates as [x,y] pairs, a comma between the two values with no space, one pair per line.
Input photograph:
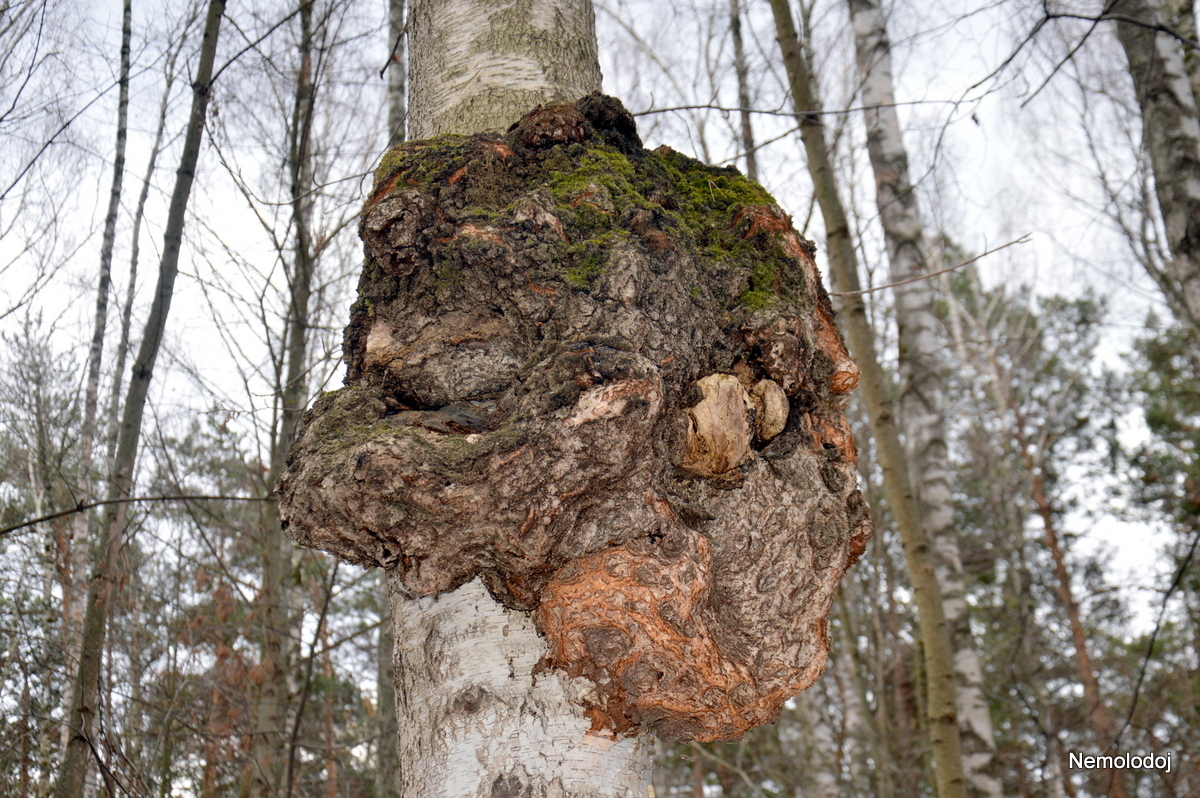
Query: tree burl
[606,381]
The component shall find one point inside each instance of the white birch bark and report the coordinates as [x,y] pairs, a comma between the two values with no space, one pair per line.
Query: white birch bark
[1171,135]
[921,390]
[479,65]
[475,719]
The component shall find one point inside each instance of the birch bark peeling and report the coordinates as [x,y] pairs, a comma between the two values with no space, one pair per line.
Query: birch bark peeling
[539,318]
[479,64]
[921,385]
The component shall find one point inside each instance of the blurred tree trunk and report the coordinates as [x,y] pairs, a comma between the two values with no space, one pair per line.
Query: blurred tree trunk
[1171,135]
[397,69]
[921,386]
[1098,716]
[1181,17]
[274,611]
[935,634]
[139,215]
[859,722]
[72,773]
[83,525]
[743,83]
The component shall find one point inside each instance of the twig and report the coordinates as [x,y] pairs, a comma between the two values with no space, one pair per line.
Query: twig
[1022,240]
[781,112]
[1137,689]
[312,655]
[85,506]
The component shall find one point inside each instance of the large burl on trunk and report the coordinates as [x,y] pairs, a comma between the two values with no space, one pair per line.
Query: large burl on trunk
[606,381]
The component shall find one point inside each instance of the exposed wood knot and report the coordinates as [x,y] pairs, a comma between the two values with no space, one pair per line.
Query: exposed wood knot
[537,207]
[612,400]
[637,621]
[718,436]
[771,405]
[845,376]
[658,241]
[781,354]
[768,219]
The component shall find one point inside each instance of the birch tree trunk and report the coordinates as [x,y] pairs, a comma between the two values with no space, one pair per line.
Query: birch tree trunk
[274,612]
[472,719]
[87,679]
[590,380]
[1171,135]
[921,385]
[81,536]
[477,65]
[935,633]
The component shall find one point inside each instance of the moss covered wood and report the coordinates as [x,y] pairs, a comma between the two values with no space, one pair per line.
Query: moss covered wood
[606,381]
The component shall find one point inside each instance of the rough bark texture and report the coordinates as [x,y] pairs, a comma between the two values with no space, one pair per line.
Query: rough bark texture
[921,384]
[479,64]
[387,762]
[940,707]
[1171,134]
[569,364]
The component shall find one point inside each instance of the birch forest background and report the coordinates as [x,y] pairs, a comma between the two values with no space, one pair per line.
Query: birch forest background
[1003,191]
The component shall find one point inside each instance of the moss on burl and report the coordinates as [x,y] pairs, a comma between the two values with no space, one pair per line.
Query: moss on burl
[599,191]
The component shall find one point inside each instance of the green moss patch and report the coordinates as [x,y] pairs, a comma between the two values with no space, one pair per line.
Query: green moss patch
[600,196]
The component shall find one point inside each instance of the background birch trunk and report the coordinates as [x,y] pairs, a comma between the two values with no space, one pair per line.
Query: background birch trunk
[921,387]
[397,75]
[743,83]
[941,706]
[274,611]
[82,532]
[85,686]
[1171,135]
